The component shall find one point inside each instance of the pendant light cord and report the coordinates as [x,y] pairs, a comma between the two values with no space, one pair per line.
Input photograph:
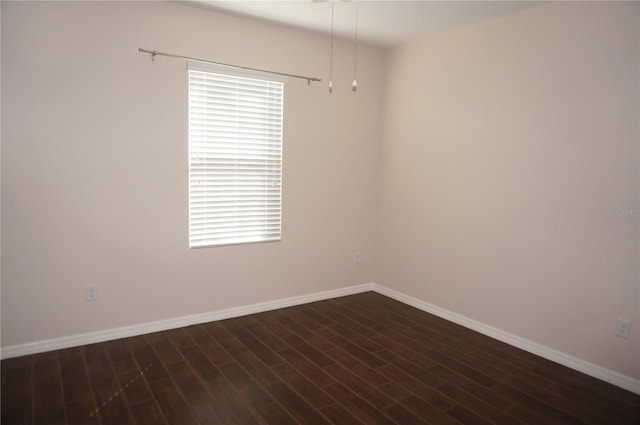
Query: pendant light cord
[331,53]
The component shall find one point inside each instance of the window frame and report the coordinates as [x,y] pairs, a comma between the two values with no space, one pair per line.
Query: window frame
[257,163]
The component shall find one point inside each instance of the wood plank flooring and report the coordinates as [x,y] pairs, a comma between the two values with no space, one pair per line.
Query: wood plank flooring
[362,359]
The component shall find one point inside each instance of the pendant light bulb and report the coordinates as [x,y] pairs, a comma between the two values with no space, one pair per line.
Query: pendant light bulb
[330,86]
[354,85]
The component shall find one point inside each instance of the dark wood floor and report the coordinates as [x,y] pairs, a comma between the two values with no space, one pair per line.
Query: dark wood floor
[362,359]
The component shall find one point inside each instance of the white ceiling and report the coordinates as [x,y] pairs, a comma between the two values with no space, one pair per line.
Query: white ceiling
[381,23]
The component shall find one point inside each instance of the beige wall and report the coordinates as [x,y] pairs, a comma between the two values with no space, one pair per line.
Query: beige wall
[94,167]
[505,145]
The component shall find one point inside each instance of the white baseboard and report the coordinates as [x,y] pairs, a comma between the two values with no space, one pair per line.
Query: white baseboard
[580,365]
[178,322]
[591,369]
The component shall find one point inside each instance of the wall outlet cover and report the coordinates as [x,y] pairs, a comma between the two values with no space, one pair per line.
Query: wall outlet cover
[622,330]
[91,292]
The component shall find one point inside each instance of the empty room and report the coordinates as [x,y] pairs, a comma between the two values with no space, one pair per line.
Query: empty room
[320,212]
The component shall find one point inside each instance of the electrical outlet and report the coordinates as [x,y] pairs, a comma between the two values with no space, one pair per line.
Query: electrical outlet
[622,329]
[357,257]
[91,292]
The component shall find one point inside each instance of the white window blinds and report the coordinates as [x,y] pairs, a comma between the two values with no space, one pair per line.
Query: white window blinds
[235,156]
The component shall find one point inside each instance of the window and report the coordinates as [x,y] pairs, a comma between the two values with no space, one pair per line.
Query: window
[235,156]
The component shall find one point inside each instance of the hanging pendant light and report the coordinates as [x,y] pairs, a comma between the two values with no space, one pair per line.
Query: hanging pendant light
[331,52]
[354,84]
